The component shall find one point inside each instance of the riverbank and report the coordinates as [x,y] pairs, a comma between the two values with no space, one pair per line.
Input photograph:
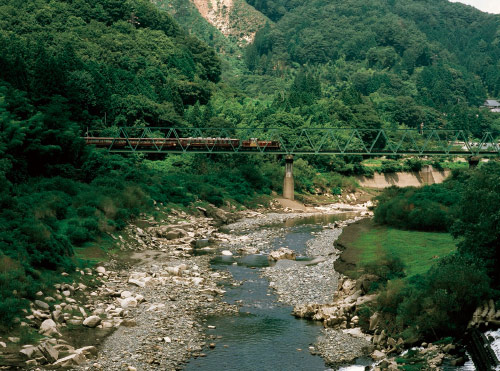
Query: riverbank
[365,244]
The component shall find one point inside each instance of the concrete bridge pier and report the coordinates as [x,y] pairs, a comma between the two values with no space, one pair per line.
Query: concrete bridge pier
[288,191]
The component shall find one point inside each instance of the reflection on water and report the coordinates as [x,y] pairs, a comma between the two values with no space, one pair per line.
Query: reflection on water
[320,219]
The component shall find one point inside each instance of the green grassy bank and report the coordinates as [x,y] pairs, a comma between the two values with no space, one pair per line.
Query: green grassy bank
[366,243]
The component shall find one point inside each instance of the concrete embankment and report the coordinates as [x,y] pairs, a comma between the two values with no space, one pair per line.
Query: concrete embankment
[428,175]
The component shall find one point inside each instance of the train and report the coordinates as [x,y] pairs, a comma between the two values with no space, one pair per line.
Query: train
[182,143]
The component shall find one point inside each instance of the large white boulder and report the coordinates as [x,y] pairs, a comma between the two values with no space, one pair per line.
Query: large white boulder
[92,321]
[49,328]
[128,303]
[282,253]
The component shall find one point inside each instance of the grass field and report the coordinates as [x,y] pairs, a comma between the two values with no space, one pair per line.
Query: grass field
[418,250]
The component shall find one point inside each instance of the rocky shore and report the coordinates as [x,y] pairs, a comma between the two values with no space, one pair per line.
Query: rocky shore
[148,308]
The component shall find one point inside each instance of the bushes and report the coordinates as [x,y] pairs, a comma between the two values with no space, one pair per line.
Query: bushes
[429,208]
[438,303]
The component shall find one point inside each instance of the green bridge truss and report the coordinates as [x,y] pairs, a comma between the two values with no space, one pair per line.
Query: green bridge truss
[286,141]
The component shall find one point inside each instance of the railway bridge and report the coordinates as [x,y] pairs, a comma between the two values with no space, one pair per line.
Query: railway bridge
[290,142]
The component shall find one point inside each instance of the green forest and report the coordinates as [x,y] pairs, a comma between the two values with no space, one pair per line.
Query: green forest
[67,67]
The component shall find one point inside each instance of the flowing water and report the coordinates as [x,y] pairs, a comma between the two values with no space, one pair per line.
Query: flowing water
[264,336]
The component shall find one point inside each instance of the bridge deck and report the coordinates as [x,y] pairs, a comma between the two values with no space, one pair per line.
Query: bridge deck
[311,141]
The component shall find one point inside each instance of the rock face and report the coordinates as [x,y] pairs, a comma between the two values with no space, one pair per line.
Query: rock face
[92,321]
[282,253]
[223,15]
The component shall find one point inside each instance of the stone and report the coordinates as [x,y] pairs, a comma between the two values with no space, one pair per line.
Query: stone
[137,282]
[3,345]
[282,253]
[101,270]
[365,299]
[374,321]
[167,339]
[125,294]
[28,352]
[87,351]
[377,355]
[174,234]
[226,253]
[139,298]
[42,305]
[202,243]
[92,321]
[49,352]
[392,342]
[56,315]
[449,347]
[71,360]
[131,368]
[250,250]
[212,345]
[48,328]
[365,282]
[31,363]
[128,303]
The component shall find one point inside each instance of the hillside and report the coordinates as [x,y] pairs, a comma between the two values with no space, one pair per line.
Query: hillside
[235,19]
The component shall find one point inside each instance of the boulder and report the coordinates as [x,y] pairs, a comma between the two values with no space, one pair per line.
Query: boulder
[49,352]
[204,242]
[71,360]
[226,253]
[29,352]
[128,303]
[282,253]
[140,279]
[365,282]
[365,299]
[377,355]
[56,315]
[249,250]
[48,328]
[92,321]
[42,305]
[139,298]
[374,321]
[125,294]
[87,351]
[175,234]
[101,270]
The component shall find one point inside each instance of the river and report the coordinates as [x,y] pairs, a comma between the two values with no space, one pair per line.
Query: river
[264,335]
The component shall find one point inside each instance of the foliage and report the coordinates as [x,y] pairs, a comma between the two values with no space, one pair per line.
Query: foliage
[478,218]
[440,301]
[429,208]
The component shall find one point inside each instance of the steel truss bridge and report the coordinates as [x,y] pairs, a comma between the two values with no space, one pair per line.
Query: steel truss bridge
[286,141]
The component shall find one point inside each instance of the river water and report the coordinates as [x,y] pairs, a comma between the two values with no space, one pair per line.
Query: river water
[264,335]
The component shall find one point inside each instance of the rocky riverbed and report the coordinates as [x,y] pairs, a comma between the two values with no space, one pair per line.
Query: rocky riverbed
[315,283]
[149,308]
